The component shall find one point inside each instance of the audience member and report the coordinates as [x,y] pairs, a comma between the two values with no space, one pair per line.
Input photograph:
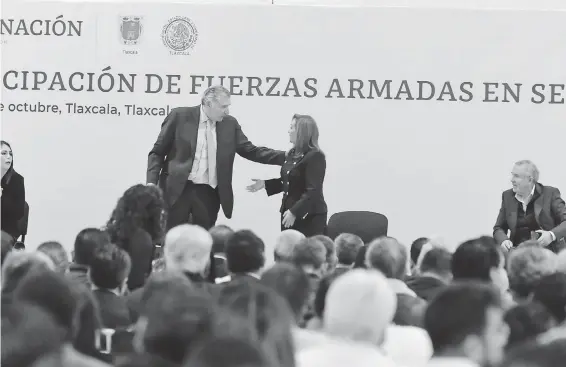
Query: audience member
[433,275]
[245,255]
[527,321]
[466,326]
[416,248]
[86,242]
[285,244]
[390,257]
[235,352]
[109,269]
[18,264]
[535,355]
[220,234]
[526,266]
[330,247]
[347,247]
[137,225]
[57,254]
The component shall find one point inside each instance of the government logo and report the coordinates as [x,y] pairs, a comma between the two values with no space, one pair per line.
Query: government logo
[131,29]
[179,35]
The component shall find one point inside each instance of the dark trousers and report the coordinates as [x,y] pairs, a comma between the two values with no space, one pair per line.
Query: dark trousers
[312,225]
[198,204]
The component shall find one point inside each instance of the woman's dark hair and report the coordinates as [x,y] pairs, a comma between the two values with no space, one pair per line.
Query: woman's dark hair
[86,322]
[141,207]
[307,133]
[8,174]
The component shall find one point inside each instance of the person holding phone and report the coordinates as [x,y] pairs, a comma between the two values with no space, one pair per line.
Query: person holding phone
[530,210]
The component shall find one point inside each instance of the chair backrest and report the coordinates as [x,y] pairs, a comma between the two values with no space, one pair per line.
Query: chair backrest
[114,342]
[23,223]
[367,225]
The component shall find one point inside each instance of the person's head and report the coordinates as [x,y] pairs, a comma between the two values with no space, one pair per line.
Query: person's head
[86,242]
[526,321]
[526,266]
[347,247]
[57,253]
[177,322]
[466,319]
[537,355]
[7,156]
[220,234]
[187,249]
[360,305]
[310,255]
[291,283]
[235,352]
[389,256]
[482,260]
[437,262]
[110,267]
[265,319]
[524,176]
[285,244]
[29,333]
[416,248]
[54,293]
[141,207]
[330,247]
[551,292]
[245,252]
[19,264]
[303,133]
[216,102]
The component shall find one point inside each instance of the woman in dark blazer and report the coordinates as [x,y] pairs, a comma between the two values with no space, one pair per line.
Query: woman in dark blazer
[302,177]
[137,225]
[13,193]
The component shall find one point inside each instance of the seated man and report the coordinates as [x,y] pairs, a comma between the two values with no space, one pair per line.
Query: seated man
[530,209]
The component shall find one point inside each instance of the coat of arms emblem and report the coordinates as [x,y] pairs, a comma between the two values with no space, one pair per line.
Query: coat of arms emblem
[130,29]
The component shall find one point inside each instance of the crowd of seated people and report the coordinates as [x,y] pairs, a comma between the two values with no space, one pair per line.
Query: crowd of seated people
[118,301]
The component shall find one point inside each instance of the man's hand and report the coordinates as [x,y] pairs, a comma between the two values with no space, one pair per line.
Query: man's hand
[546,237]
[507,245]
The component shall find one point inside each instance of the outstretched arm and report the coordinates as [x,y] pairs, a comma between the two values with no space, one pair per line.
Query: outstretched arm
[264,155]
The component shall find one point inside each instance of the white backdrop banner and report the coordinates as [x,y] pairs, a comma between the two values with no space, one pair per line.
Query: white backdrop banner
[422,112]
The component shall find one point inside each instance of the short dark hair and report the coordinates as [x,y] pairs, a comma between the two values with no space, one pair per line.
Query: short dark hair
[438,261]
[109,267]
[54,293]
[416,248]
[457,312]
[28,333]
[389,256]
[475,258]
[291,283]
[526,321]
[245,252]
[551,292]
[220,234]
[179,321]
[347,247]
[86,241]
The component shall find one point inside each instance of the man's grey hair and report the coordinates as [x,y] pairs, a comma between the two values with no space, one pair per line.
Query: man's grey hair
[533,170]
[212,93]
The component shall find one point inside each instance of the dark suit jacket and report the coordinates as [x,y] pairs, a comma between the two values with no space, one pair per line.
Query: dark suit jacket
[550,213]
[301,182]
[114,310]
[13,202]
[171,159]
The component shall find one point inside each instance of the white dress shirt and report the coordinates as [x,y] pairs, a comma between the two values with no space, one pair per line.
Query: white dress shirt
[199,172]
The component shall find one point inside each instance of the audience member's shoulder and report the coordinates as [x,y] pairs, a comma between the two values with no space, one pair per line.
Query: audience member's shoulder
[549,189]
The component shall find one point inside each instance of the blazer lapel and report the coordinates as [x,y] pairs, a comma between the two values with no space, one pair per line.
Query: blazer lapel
[513,206]
[222,138]
[538,203]
[192,129]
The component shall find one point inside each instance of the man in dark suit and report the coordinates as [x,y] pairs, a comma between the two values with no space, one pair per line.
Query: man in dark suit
[193,157]
[530,207]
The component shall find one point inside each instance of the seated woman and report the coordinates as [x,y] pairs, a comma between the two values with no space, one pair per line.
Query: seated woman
[13,193]
[137,224]
[302,177]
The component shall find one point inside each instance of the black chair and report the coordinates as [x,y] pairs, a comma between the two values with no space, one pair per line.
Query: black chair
[23,224]
[367,225]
